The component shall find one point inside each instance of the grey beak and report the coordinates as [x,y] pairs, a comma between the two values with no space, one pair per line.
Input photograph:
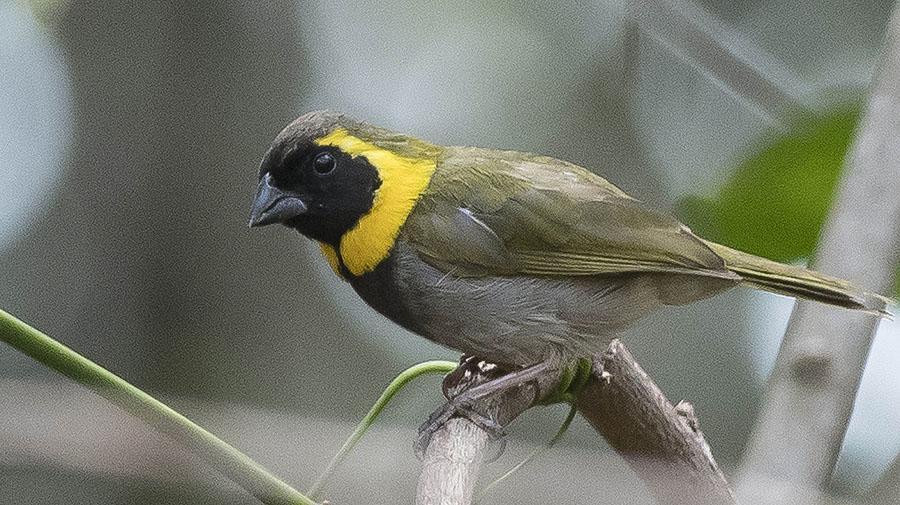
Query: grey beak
[273,205]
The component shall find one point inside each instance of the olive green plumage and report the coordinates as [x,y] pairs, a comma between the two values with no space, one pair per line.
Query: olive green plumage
[510,256]
[543,216]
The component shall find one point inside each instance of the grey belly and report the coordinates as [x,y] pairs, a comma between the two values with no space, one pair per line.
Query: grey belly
[518,320]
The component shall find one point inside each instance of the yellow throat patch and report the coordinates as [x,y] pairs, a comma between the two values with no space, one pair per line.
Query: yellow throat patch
[403,180]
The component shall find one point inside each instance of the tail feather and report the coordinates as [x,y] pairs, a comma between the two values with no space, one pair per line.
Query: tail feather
[799,282]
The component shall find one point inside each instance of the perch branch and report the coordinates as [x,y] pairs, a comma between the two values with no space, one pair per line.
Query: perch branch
[660,441]
[810,395]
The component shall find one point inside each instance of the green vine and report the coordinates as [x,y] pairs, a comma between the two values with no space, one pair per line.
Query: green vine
[427,367]
[237,466]
[231,462]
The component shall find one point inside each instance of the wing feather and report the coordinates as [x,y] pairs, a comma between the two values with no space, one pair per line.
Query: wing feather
[485,214]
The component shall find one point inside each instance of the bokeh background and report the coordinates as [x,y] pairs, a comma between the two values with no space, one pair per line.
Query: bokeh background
[130,136]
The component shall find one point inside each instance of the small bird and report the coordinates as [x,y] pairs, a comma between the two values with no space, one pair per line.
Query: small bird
[515,258]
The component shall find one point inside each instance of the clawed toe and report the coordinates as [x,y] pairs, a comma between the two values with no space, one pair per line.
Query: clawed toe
[482,380]
[451,409]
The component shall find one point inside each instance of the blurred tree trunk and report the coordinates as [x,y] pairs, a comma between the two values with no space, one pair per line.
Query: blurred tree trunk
[811,393]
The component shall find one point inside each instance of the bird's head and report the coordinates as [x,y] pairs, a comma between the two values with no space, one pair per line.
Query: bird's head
[336,180]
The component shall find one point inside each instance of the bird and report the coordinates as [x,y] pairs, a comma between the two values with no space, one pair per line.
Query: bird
[521,259]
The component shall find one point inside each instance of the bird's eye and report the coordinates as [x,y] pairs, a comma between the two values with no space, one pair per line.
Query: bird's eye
[324,163]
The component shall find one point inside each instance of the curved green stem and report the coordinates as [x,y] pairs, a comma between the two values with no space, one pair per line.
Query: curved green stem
[427,367]
[236,465]
[534,454]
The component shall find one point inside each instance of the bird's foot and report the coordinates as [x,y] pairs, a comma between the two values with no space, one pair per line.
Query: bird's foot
[474,380]
[449,410]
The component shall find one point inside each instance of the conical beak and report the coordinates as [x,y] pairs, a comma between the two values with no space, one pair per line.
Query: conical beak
[273,205]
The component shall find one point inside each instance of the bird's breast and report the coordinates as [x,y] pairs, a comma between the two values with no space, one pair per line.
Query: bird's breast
[517,320]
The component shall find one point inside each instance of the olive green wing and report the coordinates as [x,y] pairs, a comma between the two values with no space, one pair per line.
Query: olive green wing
[499,212]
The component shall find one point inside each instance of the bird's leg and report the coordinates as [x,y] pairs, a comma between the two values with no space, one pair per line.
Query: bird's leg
[572,380]
[490,380]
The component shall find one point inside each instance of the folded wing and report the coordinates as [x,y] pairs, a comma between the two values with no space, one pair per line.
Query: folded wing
[537,215]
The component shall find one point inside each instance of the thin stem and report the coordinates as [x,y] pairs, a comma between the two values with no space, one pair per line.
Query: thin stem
[237,466]
[531,457]
[404,378]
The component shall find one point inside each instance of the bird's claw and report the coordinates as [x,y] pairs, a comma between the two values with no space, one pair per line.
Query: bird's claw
[449,410]
[482,379]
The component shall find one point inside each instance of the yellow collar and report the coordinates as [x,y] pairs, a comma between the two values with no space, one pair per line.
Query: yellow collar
[403,180]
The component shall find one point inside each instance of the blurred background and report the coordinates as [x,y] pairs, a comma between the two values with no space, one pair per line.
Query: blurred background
[130,136]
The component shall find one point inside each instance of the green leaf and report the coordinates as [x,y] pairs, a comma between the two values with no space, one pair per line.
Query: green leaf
[778,197]
[776,201]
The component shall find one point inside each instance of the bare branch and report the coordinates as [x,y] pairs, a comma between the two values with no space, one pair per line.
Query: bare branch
[661,442]
[811,392]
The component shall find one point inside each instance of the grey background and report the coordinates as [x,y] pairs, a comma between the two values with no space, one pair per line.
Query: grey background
[131,136]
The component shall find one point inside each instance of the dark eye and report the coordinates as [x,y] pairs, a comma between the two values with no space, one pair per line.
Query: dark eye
[324,163]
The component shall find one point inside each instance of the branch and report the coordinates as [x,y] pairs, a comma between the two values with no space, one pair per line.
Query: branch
[811,392]
[662,443]
[454,455]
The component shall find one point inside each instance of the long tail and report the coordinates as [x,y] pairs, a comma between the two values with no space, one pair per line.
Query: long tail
[799,282]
